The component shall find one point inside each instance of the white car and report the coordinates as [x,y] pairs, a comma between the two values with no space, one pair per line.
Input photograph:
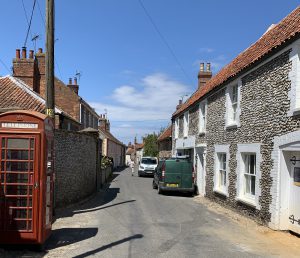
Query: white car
[147,166]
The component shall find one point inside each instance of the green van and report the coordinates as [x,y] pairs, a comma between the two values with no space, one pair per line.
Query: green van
[174,174]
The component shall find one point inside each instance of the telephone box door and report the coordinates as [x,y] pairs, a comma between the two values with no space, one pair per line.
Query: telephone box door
[19,185]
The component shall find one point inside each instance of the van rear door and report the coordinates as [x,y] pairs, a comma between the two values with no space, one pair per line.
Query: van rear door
[173,173]
[186,174]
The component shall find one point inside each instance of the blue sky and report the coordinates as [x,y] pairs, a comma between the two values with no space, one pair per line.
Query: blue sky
[127,67]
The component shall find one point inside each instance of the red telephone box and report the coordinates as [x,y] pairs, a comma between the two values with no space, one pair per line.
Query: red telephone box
[26,177]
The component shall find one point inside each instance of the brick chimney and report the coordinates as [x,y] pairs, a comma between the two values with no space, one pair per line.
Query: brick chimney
[204,76]
[104,123]
[179,104]
[75,86]
[25,68]
[41,72]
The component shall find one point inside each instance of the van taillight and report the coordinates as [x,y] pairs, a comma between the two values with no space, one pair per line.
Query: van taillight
[163,171]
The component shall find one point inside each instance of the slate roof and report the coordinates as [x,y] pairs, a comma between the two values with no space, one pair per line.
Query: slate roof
[109,136]
[285,30]
[166,134]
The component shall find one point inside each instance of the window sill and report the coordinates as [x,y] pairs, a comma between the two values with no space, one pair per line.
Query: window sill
[221,192]
[247,201]
[231,126]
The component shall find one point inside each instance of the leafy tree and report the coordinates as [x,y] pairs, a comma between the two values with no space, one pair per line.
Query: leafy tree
[150,145]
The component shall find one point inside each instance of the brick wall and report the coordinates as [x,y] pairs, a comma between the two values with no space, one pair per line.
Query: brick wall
[75,166]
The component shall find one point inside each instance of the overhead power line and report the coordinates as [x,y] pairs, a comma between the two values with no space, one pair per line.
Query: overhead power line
[164,40]
[28,22]
[5,65]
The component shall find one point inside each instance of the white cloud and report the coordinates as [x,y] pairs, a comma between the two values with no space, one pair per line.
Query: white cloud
[155,99]
[205,50]
[136,110]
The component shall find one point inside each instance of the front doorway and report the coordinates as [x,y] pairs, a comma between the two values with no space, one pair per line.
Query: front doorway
[200,169]
[294,192]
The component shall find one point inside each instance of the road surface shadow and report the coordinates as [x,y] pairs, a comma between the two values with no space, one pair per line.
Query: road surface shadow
[104,196]
[104,247]
[67,236]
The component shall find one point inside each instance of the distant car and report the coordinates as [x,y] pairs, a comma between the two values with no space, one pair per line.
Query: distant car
[174,174]
[147,166]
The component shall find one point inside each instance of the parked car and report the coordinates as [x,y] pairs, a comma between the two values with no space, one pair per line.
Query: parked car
[174,174]
[147,166]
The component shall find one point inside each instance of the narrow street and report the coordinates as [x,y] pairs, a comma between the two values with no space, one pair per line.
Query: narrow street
[133,220]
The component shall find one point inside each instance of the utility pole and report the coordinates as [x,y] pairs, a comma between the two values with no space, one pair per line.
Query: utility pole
[50,58]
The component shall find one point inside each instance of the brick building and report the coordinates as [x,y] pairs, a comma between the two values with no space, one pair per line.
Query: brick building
[111,146]
[31,70]
[165,143]
[241,129]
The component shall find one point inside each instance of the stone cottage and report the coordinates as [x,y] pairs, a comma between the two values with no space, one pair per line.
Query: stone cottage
[241,129]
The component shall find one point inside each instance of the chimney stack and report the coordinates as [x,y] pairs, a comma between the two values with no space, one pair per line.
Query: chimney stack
[74,87]
[18,54]
[25,68]
[23,52]
[179,104]
[204,76]
[104,123]
[30,54]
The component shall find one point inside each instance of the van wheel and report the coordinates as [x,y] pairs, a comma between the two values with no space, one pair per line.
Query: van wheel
[154,186]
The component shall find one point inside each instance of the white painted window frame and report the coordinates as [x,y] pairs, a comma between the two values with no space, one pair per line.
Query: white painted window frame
[221,149]
[229,122]
[244,149]
[294,77]
[186,124]
[202,116]
[176,130]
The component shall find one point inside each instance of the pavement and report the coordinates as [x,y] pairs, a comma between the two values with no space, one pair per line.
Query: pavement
[130,219]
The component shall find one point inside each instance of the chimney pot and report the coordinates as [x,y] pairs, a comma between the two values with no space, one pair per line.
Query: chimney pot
[40,50]
[31,54]
[24,52]
[18,53]
[201,67]
[75,81]
[180,101]
[208,67]
[70,81]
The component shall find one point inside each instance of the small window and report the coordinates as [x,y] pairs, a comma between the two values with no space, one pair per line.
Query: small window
[222,171]
[202,117]
[232,105]
[185,124]
[249,174]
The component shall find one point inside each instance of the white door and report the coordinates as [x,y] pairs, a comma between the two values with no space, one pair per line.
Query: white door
[200,170]
[294,202]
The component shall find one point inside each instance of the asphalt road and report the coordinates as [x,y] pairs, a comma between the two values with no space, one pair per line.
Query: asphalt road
[133,220]
[130,219]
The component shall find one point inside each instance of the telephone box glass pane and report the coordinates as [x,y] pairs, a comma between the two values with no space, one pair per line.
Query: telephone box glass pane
[17,154]
[18,143]
[17,166]
[3,143]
